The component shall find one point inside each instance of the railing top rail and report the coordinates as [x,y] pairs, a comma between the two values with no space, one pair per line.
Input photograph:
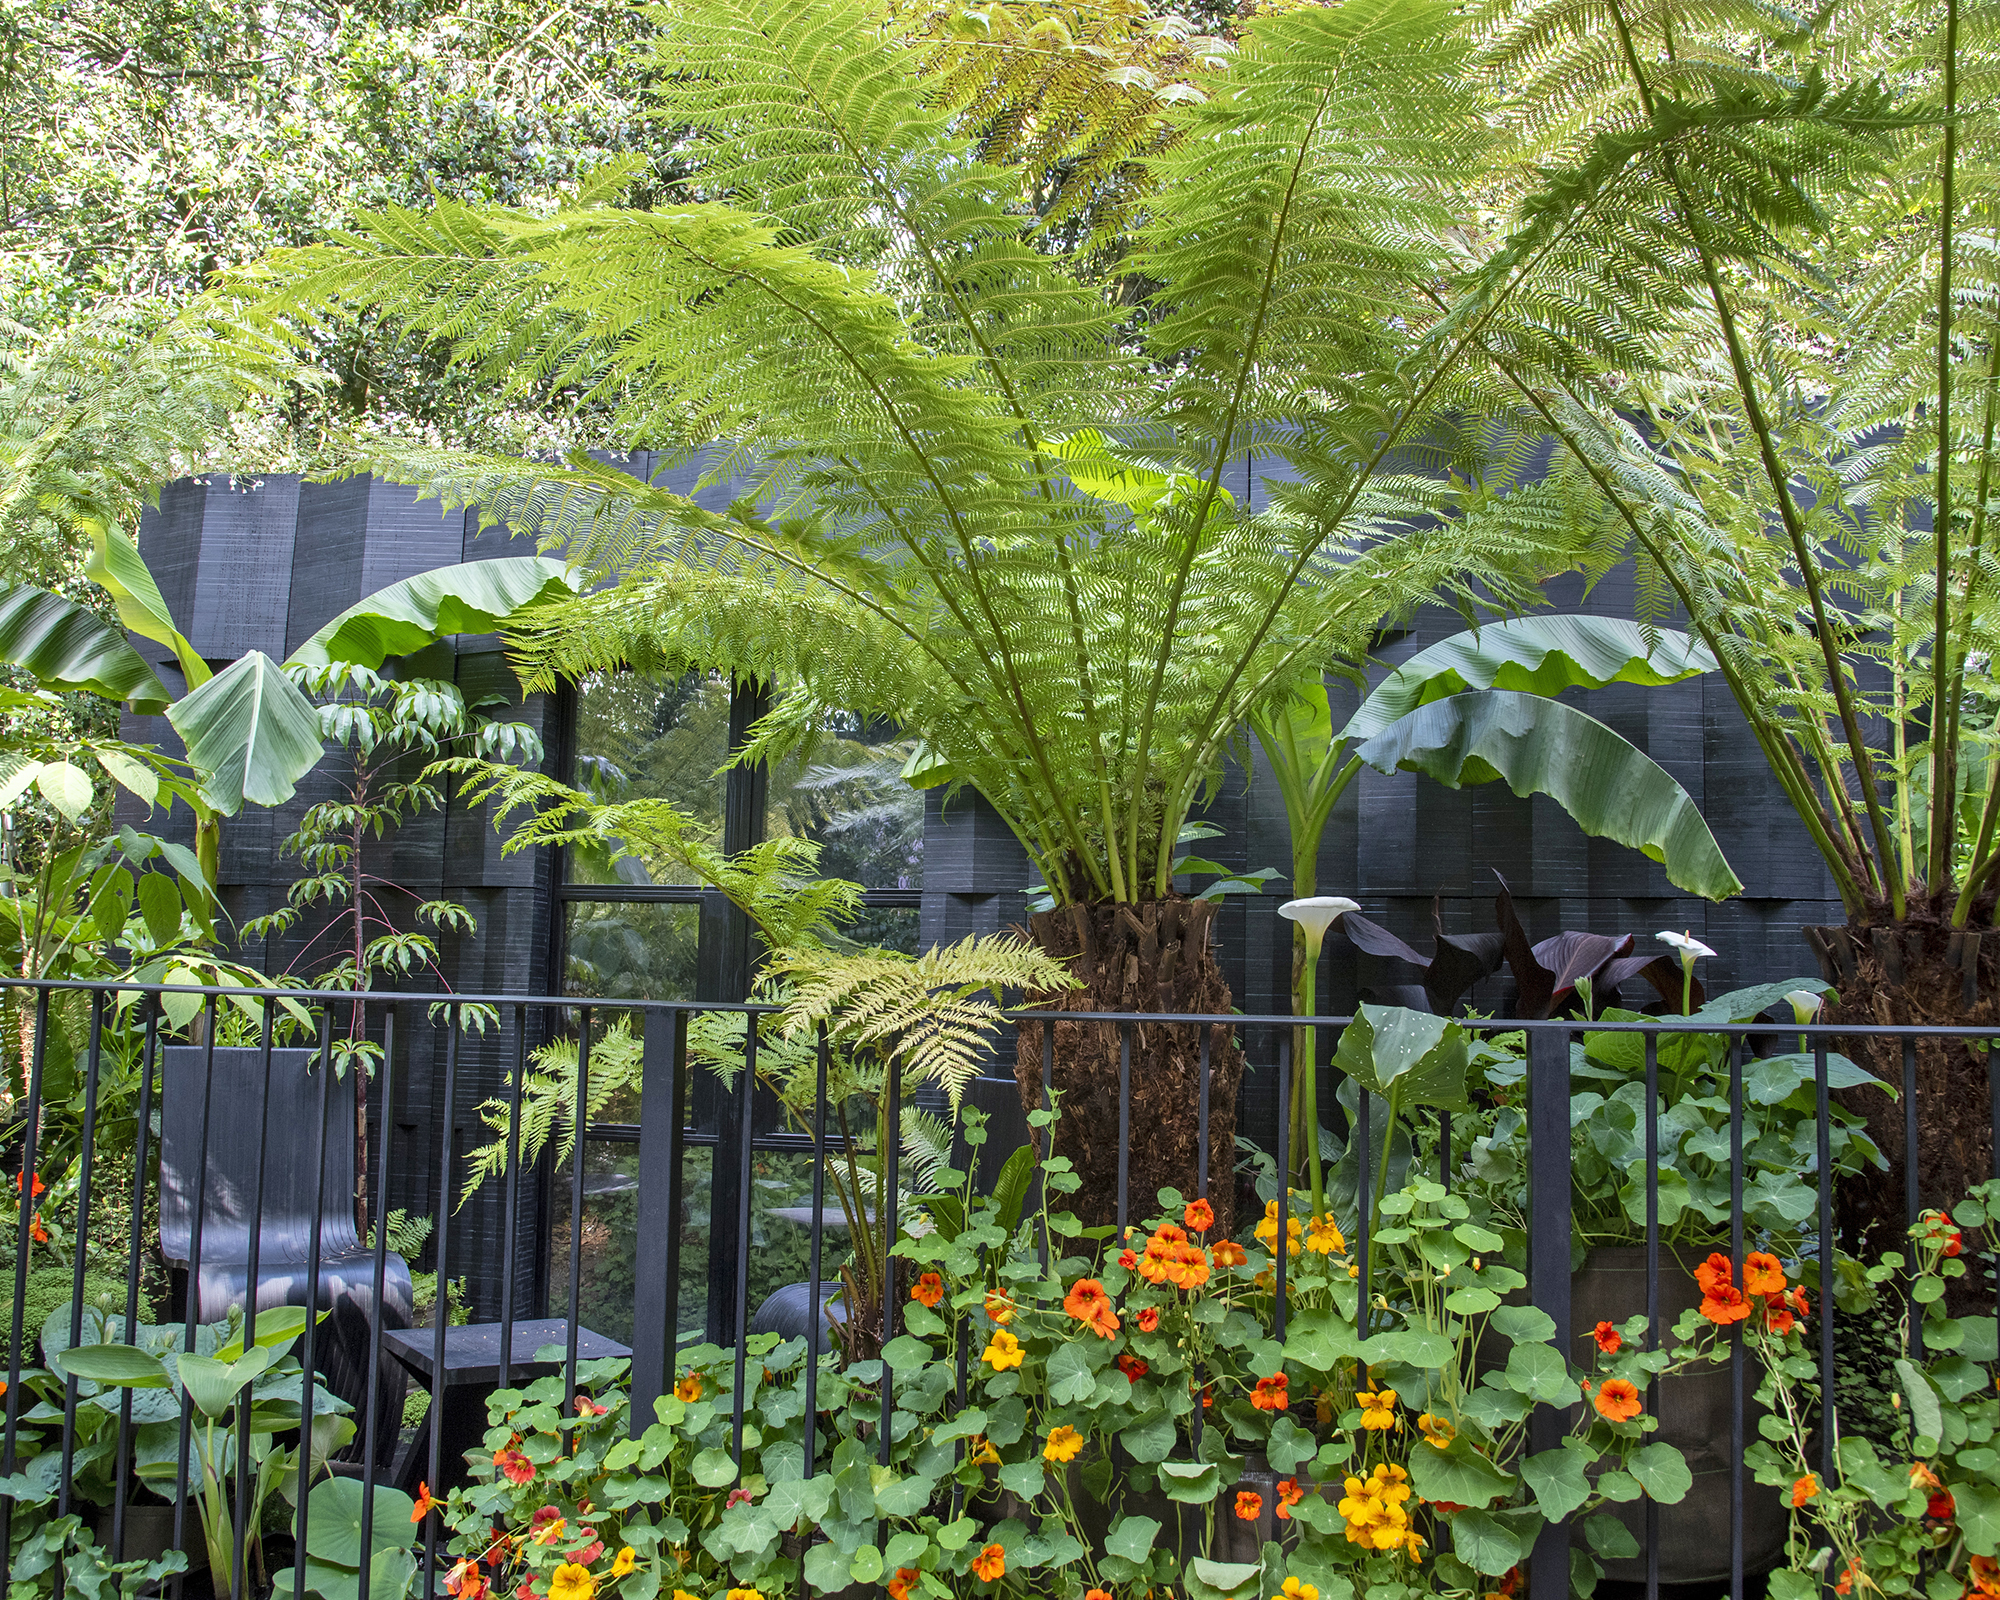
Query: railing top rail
[384,997]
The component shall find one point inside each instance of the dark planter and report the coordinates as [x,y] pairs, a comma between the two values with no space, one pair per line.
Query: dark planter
[1693,1409]
[149,1534]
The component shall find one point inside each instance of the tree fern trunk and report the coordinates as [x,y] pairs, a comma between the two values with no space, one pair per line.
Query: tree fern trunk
[1917,972]
[1144,960]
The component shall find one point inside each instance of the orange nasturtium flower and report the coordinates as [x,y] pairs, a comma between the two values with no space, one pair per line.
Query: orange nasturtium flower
[990,1565]
[1609,1339]
[1091,1306]
[1199,1215]
[1249,1505]
[1228,1253]
[1763,1273]
[1289,1495]
[1134,1367]
[899,1586]
[1617,1400]
[1724,1305]
[999,1308]
[1714,1273]
[928,1290]
[1065,1444]
[1097,1594]
[424,1503]
[689,1388]
[1805,1489]
[465,1582]
[1003,1351]
[1149,1319]
[1270,1393]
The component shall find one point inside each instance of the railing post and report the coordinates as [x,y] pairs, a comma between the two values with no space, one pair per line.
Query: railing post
[656,1289]
[1548,1265]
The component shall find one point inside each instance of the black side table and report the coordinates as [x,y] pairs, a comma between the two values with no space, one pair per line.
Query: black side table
[471,1373]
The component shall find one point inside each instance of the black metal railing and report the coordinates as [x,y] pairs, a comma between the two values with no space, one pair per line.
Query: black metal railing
[128,1021]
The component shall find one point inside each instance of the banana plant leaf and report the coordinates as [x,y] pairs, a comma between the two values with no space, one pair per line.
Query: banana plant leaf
[473,597]
[250,733]
[115,563]
[68,648]
[1541,655]
[1610,787]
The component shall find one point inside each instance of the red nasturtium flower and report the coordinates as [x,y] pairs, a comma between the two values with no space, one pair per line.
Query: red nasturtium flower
[1149,1319]
[514,1466]
[1724,1305]
[1199,1215]
[1134,1367]
[1941,1507]
[37,1232]
[1127,1259]
[36,1193]
[1617,1400]
[1270,1393]
[1091,1306]
[424,1503]
[928,1290]
[1289,1495]
[1609,1340]
[1763,1273]
[1249,1505]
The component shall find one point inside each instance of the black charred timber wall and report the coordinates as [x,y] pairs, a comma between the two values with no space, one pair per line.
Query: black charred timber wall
[262,565]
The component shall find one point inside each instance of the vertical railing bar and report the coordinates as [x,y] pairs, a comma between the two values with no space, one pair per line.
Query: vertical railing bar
[1280,1251]
[1737,1046]
[814,1331]
[1124,1128]
[890,1166]
[1652,1288]
[85,1172]
[1912,1178]
[385,1101]
[1549,1228]
[676,1191]
[21,1242]
[573,1308]
[1823,1123]
[313,1243]
[1444,1148]
[241,1512]
[142,1136]
[441,1301]
[746,1178]
[1364,1191]
[200,1178]
[1201,1124]
[513,1201]
[1048,1133]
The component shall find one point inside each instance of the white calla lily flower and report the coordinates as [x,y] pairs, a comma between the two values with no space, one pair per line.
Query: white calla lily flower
[1805,1004]
[1317,914]
[1689,947]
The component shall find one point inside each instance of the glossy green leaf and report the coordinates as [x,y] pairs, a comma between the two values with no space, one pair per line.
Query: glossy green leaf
[1978,1508]
[1556,1478]
[115,564]
[250,733]
[1419,1058]
[1488,1545]
[713,1468]
[1608,786]
[473,597]
[1132,1538]
[1539,1372]
[1193,1481]
[333,1521]
[1662,1472]
[1457,1474]
[117,1365]
[1537,655]
[1229,1579]
[64,647]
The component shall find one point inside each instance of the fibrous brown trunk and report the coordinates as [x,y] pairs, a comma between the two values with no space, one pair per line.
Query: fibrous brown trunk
[1152,958]
[1920,972]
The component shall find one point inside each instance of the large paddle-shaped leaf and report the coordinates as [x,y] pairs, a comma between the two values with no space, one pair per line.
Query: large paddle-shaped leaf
[1540,655]
[473,597]
[66,647]
[250,734]
[114,562]
[1609,786]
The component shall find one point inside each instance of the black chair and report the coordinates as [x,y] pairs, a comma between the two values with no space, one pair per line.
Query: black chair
[238,1119]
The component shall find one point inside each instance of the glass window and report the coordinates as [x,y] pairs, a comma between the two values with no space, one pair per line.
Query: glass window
[630,950]
[640,736]
[848,794]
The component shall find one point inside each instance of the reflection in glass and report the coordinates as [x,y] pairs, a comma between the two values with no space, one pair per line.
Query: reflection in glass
[780,1238]
[639,736]
[617,950]
[848,794]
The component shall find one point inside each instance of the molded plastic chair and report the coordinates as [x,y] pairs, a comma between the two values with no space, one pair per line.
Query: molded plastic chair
[238,1120]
